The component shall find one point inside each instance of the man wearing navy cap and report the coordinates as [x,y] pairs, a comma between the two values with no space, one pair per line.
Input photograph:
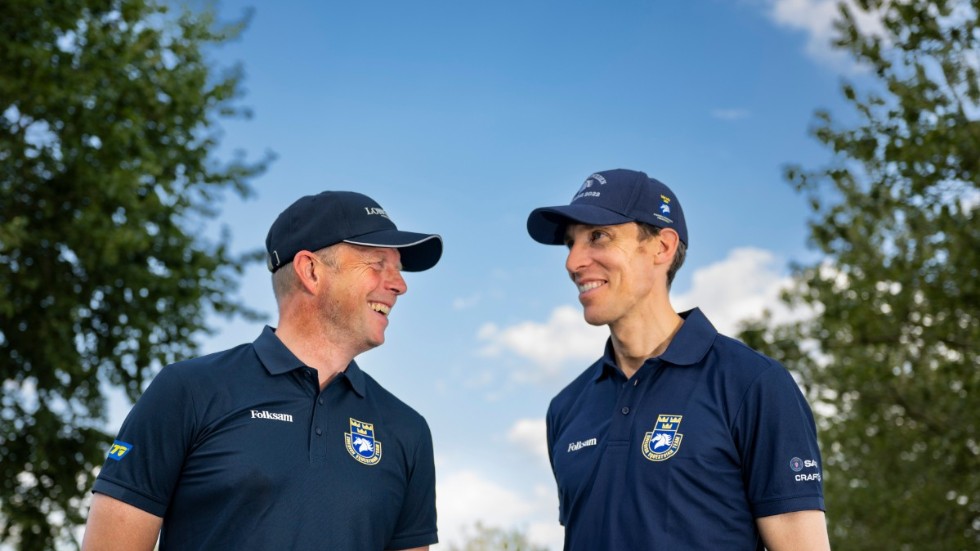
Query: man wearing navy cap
[678,437]
[284,443]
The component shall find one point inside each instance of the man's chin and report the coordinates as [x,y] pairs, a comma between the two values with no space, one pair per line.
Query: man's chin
[372,343]
[595,318]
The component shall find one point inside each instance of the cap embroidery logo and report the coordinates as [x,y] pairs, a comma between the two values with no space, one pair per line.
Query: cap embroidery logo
[595,178]
[663,441]
[664,210]
[361,443]
[376,211]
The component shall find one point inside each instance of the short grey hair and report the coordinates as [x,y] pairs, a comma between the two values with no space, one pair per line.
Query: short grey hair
[285,280]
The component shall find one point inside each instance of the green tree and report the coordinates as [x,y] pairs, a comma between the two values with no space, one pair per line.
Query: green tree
[891,359]
[487,538]
[108,177]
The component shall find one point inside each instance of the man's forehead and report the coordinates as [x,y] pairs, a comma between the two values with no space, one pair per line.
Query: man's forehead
[349,252]
[364,250]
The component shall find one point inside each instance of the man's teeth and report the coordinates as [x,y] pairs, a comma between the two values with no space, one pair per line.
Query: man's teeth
[378,307]
[589,286]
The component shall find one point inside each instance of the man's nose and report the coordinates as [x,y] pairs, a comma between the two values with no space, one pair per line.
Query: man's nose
[396,283]
[577,259]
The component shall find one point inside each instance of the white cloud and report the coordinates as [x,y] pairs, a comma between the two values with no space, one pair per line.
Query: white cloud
[564,337]
[549,534]
[464,497]
[743,285]
[816,18]
[479,379]
[740,287]
[530,435]
[729,114]
[462,303]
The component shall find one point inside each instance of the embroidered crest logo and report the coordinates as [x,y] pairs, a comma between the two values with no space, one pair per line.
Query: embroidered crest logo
[663,441]
[664,210]
[361,443]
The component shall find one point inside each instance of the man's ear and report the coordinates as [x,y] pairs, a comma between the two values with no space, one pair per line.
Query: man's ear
[667,246]
[308,269]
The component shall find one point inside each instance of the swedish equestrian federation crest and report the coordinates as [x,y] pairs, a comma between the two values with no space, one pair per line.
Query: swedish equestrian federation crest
[663,441]
[361,443]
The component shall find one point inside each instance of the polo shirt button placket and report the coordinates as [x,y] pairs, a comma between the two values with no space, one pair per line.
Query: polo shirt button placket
[626,409]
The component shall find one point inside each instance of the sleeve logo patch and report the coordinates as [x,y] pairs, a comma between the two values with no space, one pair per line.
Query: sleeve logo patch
[119,450]
[663,441]
[796,465]
[361,443]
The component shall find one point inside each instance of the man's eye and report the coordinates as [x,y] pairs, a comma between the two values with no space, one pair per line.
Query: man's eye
[596,235]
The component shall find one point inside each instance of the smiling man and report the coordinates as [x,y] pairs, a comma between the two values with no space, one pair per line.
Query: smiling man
[677,437]
[285,443]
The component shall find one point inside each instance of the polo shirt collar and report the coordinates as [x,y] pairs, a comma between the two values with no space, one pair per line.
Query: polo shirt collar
[688,347]
[692,342]
[273,354]
[278,359]
[356,378]
[606,366]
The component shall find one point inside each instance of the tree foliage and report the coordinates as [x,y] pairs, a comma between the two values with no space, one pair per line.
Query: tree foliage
[891,359]
[108,112]
[487,538]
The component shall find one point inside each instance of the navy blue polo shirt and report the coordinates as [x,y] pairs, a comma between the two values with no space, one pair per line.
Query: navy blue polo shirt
[241,450]
[687,453]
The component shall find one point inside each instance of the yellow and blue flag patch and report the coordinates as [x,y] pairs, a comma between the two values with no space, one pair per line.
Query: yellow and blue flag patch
[119,449]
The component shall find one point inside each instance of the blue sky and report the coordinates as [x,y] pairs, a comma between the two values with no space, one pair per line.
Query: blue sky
[459,118]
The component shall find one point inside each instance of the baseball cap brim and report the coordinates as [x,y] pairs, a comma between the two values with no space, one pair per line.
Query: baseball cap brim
[547,224]
[419,251]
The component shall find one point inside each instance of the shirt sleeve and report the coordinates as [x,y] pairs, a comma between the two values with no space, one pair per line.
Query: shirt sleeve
[416,526]
[157,433]
[777,440]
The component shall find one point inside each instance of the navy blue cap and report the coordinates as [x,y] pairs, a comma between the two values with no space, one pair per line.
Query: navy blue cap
[317,221]
[610,198]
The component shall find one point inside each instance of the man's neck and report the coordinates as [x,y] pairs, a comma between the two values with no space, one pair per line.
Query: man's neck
[636,340]
[315,351]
